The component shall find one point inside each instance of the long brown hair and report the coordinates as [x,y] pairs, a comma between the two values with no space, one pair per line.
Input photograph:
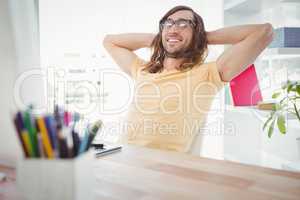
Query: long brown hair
[196,52]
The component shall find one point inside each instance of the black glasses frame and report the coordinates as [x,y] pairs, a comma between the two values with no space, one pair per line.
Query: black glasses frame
[176,23]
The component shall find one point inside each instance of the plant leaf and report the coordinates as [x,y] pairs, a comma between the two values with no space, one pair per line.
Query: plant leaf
[297,112]
[298,89]
[271,129]
[283,99]
[289,88]
[281,124]
[267,122]
[276,107]
[275,95]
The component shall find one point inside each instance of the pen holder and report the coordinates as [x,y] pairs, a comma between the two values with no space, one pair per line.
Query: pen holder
[68,179]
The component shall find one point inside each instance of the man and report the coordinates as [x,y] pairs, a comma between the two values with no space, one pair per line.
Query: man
[174,90]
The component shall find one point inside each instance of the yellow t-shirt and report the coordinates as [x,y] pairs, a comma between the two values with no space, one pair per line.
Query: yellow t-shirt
[169,107]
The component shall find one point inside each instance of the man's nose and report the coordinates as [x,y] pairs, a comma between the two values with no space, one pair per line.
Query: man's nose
[173,29]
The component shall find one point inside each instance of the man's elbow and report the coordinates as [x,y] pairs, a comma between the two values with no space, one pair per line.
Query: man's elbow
[267,32]
[107,41]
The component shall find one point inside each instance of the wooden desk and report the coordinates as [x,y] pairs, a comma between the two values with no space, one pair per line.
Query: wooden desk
[140,173]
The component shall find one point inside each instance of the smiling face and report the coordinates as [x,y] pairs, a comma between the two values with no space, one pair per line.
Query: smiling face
[181,36]
[176,40]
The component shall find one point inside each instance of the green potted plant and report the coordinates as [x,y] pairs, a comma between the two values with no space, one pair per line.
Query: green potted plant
[287,104]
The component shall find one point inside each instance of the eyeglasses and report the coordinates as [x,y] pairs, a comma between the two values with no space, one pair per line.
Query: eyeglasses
[180,24]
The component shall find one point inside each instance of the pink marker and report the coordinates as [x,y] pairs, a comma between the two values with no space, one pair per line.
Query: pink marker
[67,118]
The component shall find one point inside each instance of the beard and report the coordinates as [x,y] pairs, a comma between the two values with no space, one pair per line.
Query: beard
[178,54]
[182,53]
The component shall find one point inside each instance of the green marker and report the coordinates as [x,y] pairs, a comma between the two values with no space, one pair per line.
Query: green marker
[32,133]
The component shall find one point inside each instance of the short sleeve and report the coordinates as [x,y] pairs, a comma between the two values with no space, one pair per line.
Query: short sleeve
[135,67]
[214,75]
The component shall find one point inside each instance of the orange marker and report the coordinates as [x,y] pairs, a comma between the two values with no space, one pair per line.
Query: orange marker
[45,137]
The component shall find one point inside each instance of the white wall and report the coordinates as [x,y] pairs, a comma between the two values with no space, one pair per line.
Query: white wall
[19,53]
[9,147]
[79,26]
[24,18]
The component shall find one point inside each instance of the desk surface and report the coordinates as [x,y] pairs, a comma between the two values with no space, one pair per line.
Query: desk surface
[140,173]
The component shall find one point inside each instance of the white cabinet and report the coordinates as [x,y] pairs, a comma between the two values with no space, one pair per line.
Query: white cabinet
[247,143]
[242,136]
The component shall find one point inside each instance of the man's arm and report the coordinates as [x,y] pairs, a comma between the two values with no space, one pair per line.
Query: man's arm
[248,42]
[121,47]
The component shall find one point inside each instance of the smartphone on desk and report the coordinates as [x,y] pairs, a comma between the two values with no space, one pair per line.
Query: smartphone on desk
[102,149]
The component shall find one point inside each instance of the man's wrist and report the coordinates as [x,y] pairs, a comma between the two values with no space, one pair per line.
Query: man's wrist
[209,37]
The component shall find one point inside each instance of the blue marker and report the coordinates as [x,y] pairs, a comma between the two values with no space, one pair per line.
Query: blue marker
[50,124]
[84,142]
